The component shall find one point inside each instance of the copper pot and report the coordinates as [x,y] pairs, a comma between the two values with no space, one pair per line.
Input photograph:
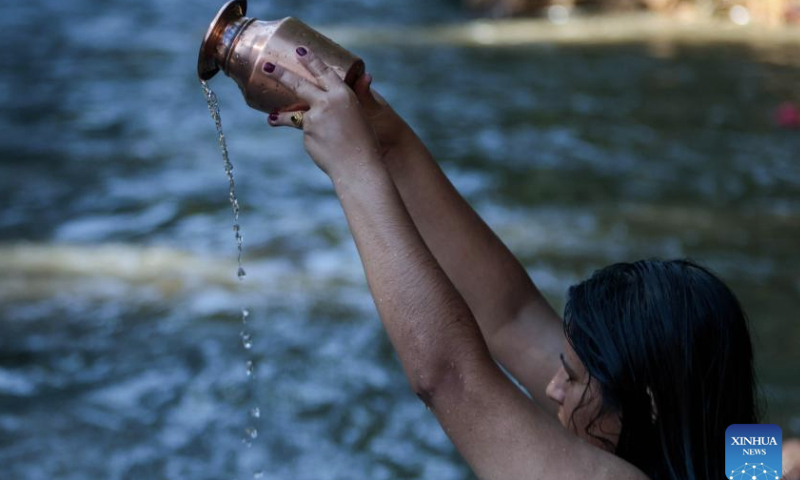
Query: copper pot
[240,46]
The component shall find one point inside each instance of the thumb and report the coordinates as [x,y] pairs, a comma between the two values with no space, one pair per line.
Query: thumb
[364,93]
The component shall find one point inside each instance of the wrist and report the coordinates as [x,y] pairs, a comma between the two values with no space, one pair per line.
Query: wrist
[408,147]
[366,169]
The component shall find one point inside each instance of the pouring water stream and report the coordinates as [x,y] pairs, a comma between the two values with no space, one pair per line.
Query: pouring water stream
[250,431]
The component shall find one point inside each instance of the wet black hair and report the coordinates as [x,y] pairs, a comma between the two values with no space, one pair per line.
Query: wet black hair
[669,346]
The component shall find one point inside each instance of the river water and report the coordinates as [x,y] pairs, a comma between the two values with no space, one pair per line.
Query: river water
[120,309]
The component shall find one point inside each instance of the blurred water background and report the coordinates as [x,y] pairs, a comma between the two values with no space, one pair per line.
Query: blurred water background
[119,303]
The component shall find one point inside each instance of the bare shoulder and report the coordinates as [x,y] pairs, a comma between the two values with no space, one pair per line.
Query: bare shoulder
[529,346]
[610,466]
[582,460]
[504,435]
[791,458]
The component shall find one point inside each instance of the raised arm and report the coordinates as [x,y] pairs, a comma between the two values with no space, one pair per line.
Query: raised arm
[500,432]
[522,331]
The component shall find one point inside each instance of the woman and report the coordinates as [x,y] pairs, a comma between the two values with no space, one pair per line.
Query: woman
[650,365]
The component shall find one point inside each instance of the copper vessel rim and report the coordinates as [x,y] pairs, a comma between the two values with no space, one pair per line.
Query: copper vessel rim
[234,42]
[207,66]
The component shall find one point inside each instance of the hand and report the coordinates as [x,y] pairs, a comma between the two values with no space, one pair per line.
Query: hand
[392,131]
[336,131]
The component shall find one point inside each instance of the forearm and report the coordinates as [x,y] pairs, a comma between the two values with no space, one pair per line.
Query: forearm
[496,428]
[427,321]
[489,277]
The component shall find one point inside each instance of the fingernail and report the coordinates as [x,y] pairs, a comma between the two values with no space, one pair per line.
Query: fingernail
[273,117]
[269,67]
[301,51]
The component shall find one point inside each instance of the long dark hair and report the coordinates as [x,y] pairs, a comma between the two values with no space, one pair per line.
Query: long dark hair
[669,346]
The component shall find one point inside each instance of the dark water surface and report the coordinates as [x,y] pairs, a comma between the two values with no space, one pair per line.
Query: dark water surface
[119,305]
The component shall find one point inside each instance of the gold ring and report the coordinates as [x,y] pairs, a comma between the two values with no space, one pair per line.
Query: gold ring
[297,119]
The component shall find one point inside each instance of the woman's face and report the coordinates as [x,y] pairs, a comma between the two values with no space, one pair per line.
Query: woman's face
[567,390]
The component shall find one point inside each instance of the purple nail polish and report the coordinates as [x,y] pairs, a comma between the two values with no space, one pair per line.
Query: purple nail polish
[301,51]
[273,117]
[269,67]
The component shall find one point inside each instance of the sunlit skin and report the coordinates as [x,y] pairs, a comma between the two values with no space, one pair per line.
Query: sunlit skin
[567,389]
[421,245]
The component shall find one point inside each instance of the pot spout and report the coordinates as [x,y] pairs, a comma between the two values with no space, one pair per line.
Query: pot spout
[218,41]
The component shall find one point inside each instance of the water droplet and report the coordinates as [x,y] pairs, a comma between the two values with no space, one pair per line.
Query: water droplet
[250,368]
[251,433]
[258,474]
[245,315]
[255,412]
[247,340]
[213,108]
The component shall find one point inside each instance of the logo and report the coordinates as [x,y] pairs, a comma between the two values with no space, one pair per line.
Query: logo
[753,452]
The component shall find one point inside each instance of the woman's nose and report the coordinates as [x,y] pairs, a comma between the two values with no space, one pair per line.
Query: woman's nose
[555,390]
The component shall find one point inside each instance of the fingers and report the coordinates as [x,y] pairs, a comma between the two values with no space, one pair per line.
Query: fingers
[364,93]
[294,82]
[287,119]
[379,98]
[326,76]
[368,97]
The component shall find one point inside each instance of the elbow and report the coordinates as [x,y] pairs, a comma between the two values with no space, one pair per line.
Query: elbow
[425,396]
[425,388]
[436,383]
[438,370]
